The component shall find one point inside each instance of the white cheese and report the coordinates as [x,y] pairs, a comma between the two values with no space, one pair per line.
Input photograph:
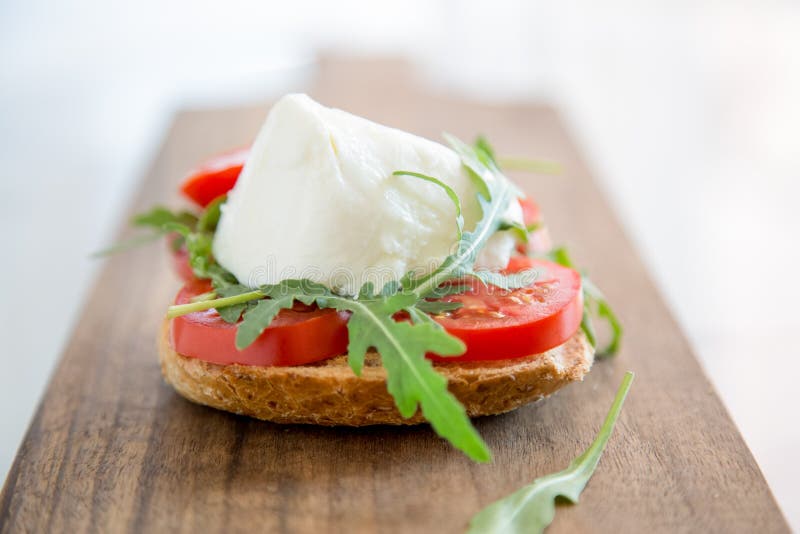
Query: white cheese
[317,200]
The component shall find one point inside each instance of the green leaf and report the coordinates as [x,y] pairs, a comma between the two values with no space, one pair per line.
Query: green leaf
[517,228]
[586,325]
[593,299]
[210,217]
[411,378]
[159,216]
[391,287]
[368,323]
[447,189]
[177,310]
[444,290]
[494,195]
[532,508]
[201,260]
[232,314]
[593,295]
[257,319]
[436,307]
[367,291]
[533,227]
[197,234]
[419,315]
[482,145]
[280,296]
[561,256]
[507,281]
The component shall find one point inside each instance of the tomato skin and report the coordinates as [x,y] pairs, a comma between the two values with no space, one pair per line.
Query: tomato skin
[215,177]
[293,338]
[492,324]
[497,325]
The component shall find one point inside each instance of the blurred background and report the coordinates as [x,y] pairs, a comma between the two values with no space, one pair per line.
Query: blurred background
[687,112]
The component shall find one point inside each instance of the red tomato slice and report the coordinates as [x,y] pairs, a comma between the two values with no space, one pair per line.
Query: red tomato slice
[215,177]
[496,324]
[295,337]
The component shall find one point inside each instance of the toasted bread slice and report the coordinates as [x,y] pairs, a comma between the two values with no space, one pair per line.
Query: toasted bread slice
[329,393]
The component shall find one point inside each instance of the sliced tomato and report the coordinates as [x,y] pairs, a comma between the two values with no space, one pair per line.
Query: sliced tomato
[496,324]
[295,337]
[215,177]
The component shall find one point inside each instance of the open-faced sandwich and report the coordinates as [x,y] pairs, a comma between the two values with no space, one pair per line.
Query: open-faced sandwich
[346,273]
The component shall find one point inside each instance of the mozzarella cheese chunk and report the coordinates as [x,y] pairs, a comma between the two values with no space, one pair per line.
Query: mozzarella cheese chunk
[317,199]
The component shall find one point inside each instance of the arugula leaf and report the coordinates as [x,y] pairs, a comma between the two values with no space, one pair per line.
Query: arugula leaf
[436,307]
[420,315]
[232,314]
[604,311]
[411,378]
[586,324]
[210,217]
[158,216]
[280,296]
[196,233]
[520,230]
[507,281]
[494,195]
[482,145]
[532,227]
[176,310]
[532,508]
[448,289]
[447,189]
[257,319]
[592,298]
[198,240]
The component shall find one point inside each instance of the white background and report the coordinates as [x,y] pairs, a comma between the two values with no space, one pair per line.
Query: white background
[688,111]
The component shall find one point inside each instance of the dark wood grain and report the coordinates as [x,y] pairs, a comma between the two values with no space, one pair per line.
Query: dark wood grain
[113,449]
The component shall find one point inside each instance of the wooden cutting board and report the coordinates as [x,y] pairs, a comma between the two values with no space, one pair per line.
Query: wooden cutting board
[113,449]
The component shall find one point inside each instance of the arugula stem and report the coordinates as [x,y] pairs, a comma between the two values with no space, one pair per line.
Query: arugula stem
[532,508]
[530,165]
[182,309]
[204,296]
[478,239]
[608,425]
[447,189]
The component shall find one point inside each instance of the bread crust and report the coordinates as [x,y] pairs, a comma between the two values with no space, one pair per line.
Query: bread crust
[328,393]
